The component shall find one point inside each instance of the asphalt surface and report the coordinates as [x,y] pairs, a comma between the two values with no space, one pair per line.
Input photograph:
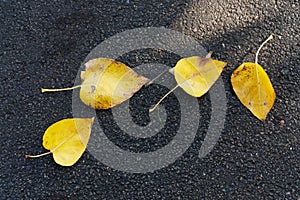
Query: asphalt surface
[43,44]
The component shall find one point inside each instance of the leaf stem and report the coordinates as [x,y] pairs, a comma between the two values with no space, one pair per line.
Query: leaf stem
[37,156]
[159,75]
[61,89]
[256,56]
[153,108]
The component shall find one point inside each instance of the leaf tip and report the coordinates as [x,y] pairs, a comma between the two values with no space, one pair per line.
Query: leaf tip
[92,119]
[263,119]
[209,54]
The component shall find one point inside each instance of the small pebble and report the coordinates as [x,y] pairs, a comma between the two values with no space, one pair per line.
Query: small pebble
[282,123]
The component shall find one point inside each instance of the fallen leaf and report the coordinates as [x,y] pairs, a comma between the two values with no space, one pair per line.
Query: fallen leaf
[253,87]
[67,140]
[195,75]
[106,83]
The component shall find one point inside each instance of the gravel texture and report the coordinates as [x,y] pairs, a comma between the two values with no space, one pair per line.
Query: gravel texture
[43,44]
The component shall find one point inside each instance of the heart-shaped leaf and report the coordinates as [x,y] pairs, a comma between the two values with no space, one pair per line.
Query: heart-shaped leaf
[253,87]
[67,140]
[106,83]
[195,75]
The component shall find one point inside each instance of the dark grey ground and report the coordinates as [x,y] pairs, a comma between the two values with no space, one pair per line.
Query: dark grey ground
[43,44]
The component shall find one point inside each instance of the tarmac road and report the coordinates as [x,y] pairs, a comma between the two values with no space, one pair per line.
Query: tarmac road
[43,44]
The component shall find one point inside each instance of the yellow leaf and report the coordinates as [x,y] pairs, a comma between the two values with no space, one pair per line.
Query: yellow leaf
[195,75]
[253,87]
[67,140]
[106,83]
